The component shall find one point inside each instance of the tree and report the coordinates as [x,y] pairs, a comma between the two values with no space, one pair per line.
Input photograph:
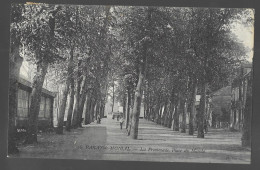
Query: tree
[147,25]
[69,82]
[15,62]
[38,35]
[213,48]
[71,102]
[159,56]
[71,33]
[94,68]
[193,109]
[246,130]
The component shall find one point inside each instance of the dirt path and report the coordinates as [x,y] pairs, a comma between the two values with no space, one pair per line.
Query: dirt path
[107,141]
[158,143]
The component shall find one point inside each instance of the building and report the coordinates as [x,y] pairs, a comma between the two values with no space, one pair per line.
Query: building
[208,115]
[240,87]
[220,104]
[45,118]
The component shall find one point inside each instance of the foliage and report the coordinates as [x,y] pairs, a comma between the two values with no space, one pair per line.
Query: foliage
[175,47]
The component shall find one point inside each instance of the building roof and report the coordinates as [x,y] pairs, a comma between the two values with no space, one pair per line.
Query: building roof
[237,81]
[29,84]
[225,91]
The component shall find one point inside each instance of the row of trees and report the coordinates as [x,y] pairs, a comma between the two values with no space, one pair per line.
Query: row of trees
[161,56]
[74,45]
[172,54]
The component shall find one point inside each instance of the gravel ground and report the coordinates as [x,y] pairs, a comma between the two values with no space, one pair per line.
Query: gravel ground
[107,141]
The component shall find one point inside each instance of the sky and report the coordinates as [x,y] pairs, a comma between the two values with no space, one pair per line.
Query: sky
[245,35]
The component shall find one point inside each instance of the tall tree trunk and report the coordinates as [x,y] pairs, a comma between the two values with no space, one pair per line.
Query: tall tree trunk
[88,110]
[93,104]
[102,110]
[76,102]
[65,93]
[137,107]
[131,112]
[153,113]
[193,109]
[176,115]
[139,90]
[130,122]
[102,107]
[124,105]
[160,114]
[145,100]
[234,119]
[62,108]
[240,111]
[75,108]
[70,109]
[147,108]
[171,109]
[113,98]
[72,92]
[82,99]
[246,131]
[128,107]
[148,104]
[38,80]
[184,114]
[202,111]
[170,115]
[157,110]
[165,113]
[97,109]
[144,110]
[15,63]
[104,98]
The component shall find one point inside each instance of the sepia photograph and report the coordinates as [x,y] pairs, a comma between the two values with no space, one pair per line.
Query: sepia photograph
[130,83]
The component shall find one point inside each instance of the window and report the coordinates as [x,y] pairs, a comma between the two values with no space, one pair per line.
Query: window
[42,107]
[23,99]
[24,104]
[48,108]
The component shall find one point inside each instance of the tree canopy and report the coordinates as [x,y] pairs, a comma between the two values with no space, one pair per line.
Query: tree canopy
[160,54]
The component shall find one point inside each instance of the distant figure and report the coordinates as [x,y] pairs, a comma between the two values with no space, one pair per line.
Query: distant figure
[118,116]
[113,116]
[98,119]
[206,126]
[121,122]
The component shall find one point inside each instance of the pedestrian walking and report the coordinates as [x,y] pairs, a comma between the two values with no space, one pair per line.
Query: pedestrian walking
[121,122]
[98,119]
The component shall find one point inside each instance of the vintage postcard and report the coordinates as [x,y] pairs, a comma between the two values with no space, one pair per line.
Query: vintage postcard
[131,83]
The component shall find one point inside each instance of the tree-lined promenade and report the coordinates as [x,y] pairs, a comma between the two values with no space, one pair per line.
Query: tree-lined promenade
[161,57]
[155,143]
